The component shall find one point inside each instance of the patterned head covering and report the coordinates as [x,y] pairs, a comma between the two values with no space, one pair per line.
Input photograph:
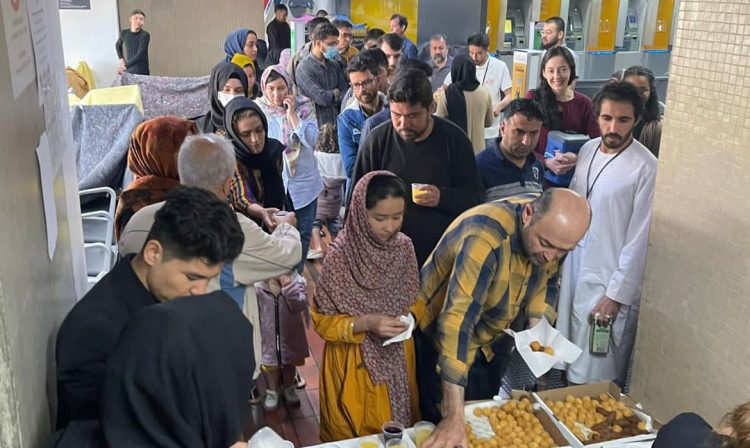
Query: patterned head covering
[363,274]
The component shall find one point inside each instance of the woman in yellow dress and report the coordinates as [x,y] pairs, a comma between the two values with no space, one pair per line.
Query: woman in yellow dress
[369,279]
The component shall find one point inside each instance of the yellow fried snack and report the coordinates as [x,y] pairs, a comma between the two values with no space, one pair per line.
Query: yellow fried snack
[536,346]
[549,350]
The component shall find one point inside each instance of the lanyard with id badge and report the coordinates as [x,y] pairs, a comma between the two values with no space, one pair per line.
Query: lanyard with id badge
[601,333]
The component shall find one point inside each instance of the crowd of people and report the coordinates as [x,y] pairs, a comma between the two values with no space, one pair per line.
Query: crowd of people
[450,229]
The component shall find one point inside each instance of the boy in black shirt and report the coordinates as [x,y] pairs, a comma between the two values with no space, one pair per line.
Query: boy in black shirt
[132,46]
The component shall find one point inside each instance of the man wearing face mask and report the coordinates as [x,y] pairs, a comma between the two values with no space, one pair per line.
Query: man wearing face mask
[320,77]
[440,60]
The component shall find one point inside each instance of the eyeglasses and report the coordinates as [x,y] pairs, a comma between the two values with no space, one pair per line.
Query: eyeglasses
[363,84]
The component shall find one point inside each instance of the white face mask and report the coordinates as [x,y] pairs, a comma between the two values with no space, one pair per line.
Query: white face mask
[224,97]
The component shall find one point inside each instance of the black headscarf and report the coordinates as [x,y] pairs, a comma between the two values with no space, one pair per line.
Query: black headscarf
[180,375]
[220,74]
[463,79]
[268,162]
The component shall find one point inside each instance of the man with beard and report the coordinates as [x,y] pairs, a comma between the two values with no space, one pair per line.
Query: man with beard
[508,166]
[363,74]
[603,276]
[493,74]
[385,114]
[440,61]
[495,262]
[430,153]
[553,35]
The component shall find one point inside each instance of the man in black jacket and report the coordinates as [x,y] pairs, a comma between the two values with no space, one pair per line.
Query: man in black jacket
[279,34]
[132,46]
[193,234]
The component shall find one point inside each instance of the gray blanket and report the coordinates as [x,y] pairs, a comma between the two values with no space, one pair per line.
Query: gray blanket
[163,95]
[101,135]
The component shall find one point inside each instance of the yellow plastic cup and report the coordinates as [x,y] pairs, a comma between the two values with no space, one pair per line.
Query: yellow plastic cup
[416,191]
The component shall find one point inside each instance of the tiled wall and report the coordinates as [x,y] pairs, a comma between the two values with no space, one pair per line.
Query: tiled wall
[187,36]
[693,349]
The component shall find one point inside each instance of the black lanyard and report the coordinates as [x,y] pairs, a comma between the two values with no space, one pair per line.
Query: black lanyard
[486,70]
[589,189]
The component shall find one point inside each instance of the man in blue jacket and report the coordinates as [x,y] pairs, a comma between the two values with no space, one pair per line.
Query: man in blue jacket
[368,100]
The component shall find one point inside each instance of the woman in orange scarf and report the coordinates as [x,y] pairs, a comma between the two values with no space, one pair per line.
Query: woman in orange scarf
[152,157]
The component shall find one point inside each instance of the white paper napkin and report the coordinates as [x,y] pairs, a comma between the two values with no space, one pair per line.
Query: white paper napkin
[409,319]
[539,362]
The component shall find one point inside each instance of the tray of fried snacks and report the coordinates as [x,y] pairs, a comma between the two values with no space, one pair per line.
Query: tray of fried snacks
[514,423]
[600,418]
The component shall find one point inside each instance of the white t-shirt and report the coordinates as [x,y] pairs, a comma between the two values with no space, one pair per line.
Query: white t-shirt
[495,77]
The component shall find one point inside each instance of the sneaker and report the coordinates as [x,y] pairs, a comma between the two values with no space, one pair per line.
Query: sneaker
[291,397]
[299,382]
[254,395]
[271,403]
[314,254]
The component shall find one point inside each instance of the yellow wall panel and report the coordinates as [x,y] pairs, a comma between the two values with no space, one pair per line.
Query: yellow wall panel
[607,27]
[376,14]
[549,8]
[663,28]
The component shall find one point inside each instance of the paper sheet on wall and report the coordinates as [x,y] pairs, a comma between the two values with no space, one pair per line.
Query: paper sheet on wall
[18,41]
[47,179]
[38,23]
[51,84]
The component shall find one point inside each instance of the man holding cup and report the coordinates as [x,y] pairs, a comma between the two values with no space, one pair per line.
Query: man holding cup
[431,153]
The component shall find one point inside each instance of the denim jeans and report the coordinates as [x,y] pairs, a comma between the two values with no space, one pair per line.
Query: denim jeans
[305,218]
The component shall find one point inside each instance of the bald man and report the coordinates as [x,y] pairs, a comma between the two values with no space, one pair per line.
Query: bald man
[496,262]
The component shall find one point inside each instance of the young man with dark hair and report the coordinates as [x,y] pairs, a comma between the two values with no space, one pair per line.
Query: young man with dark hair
[319,77]
[372,38]
[425,150]
[302,53]
[385,114]
[363,74]
[193,235]
[508,166]
[279,33]
[553,35]
[602,278]
[398,26]
[132,46]
[346,50]
[208,161]
[391,44]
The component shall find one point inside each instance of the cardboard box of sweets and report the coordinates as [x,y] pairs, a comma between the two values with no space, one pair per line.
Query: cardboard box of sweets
[495,424]
[597,415]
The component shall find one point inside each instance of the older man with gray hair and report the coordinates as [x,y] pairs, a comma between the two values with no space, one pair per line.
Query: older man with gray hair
[440,60]
[207,161]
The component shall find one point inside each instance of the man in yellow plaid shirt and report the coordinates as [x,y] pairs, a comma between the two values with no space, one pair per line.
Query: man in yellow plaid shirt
[494,262]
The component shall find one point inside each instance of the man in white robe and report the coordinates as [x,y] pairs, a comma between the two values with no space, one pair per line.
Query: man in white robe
[604,273]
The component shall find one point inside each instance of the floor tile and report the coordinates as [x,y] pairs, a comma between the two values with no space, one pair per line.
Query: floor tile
[308,430]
